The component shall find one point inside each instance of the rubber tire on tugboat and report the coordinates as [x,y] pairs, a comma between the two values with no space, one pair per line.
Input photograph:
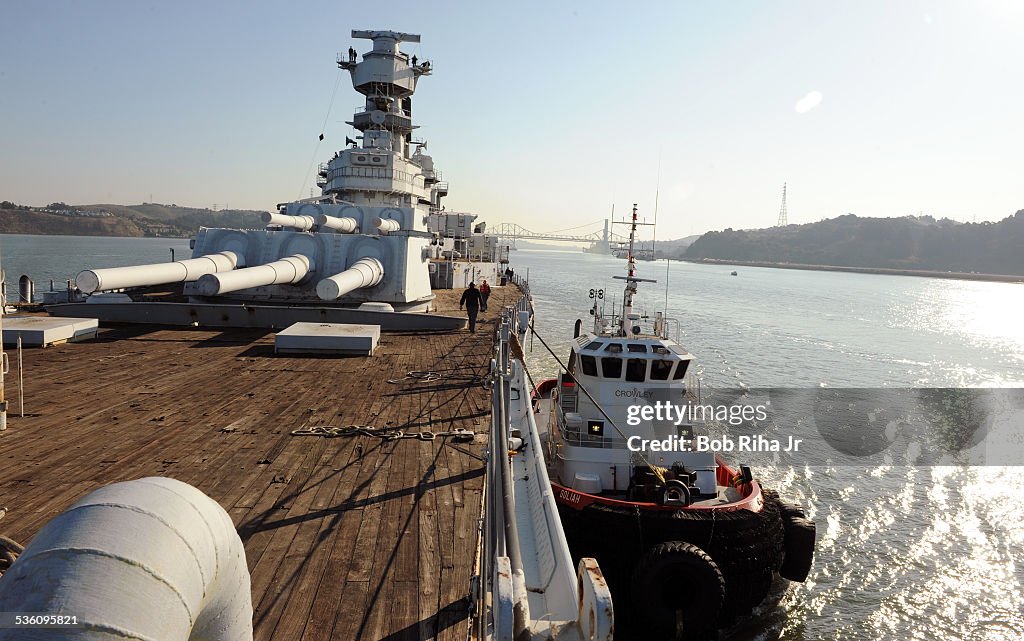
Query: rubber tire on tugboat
[791,509]
[800,535]
[677,591]
[677,487]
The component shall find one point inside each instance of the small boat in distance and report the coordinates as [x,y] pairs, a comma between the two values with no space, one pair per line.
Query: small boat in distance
[734,273]
[688,542]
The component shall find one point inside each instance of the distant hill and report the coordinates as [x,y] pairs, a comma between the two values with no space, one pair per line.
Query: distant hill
[17,221]
[911,242]
[673,248]
[147,219]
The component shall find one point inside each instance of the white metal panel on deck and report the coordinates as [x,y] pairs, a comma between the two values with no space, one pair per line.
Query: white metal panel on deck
[328,338]
[40,331]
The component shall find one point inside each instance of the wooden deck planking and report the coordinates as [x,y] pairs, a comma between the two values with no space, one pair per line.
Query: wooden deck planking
[345,538]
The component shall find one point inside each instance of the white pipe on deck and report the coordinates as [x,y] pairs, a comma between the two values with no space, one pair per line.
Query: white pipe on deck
[149,559]
[386,225]
[343,225]
[95,280]
[287,270]
[365,272]
[302,223]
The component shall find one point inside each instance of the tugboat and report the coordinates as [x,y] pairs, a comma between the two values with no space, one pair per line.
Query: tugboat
[688,543]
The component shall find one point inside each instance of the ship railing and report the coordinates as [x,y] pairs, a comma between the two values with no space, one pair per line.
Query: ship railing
[363,109]
[373,172]
[501,598]
[579,435]
[693,389]
[449,212]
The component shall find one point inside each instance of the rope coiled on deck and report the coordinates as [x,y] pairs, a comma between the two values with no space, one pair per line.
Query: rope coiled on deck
[431,377]
[383,433]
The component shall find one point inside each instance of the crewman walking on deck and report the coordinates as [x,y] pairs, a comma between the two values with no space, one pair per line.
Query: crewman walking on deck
[471,299]
[485,293]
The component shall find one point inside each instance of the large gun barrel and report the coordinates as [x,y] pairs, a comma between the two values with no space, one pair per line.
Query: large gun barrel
[343,225]
[287,270]
[365,272]
[302,223]
[386,225]
[94,280]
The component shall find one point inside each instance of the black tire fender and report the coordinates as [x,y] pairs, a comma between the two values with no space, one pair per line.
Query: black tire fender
[677,591]
[674,492]
[791,509]
[800,533]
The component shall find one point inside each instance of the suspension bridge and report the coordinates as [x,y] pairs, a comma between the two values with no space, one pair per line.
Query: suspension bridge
[598,233]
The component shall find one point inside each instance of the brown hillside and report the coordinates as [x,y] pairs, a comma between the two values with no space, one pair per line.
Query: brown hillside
[15,221]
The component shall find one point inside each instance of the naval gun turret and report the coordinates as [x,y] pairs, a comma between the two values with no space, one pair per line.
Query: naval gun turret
[363,239]
[365,236]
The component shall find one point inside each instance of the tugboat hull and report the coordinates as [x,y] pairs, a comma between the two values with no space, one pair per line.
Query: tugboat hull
[746,548]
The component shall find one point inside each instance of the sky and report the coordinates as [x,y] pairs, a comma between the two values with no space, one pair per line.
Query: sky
[546,114]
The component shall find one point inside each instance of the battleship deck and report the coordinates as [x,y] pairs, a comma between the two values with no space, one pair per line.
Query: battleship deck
[346,538]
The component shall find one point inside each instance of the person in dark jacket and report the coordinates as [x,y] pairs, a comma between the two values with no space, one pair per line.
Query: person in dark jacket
[471,299]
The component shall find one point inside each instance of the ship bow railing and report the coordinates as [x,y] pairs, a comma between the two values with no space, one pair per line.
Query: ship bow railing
[523,555]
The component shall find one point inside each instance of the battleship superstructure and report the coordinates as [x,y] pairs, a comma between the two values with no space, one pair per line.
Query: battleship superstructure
[371,215]
[374,240]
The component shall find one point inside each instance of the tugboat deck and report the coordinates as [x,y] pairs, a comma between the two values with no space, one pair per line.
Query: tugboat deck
[346,538]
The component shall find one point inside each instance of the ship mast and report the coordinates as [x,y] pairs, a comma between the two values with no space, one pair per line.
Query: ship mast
[627,295]
[629,323]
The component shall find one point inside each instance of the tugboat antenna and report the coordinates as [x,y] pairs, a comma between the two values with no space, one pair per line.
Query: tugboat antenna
[657,192]
[665,313]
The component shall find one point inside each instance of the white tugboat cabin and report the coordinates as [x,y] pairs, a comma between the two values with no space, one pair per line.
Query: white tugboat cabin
[637,392]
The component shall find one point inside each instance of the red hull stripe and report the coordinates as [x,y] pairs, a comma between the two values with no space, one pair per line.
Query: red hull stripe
[569,497]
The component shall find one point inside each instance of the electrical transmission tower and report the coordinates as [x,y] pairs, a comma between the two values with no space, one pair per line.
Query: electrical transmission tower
[783,219]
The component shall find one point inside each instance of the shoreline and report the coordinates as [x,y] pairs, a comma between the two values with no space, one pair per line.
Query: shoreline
[20,233]
[924,273]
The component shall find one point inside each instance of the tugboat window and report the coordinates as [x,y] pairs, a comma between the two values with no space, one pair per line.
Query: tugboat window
[589,364]
[594,345]
[611,367]
[636,347]
[636,370]
[680,370]
[614,347]
[660,370]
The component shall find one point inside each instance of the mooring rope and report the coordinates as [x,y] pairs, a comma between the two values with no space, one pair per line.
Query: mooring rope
[383,433]
[423,376]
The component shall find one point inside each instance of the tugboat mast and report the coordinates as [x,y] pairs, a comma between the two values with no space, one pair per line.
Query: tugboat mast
[629,322]
[627,295]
